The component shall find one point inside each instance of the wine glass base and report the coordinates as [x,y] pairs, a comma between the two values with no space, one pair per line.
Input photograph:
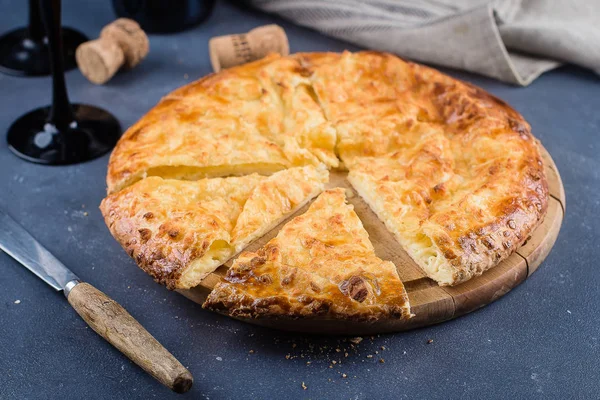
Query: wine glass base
[93,133]
[22,56]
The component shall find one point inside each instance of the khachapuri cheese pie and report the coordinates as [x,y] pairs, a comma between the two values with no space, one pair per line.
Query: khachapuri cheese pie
[453,172]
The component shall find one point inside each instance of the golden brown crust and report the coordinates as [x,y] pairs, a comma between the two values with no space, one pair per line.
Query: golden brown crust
[320,265]
[453,171]
[259,117]
[302,130]
[158,222]
[179,231]
[201,125]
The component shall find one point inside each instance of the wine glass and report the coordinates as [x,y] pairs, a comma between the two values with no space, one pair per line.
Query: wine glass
[62,133]
[24,51]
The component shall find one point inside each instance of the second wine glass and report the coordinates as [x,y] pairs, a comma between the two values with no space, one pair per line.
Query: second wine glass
[24,51]
[62,133]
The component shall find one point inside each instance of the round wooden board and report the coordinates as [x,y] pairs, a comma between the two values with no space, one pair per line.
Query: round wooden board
[430,303]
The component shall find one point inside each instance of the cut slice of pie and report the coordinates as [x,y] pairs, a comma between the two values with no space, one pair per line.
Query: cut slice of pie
[457,209]
[180,231]
[303,131]
[214,127]
[320,265]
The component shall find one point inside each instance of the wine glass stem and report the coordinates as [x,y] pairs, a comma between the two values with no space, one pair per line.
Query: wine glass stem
[35,28]
[61,113]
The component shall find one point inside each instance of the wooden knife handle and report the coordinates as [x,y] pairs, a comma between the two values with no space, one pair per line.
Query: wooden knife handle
[119,328]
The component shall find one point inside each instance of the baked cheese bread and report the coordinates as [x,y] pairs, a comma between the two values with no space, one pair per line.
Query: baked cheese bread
[180,231]
[321,265]
[303,132]
[453,172]
[260,117]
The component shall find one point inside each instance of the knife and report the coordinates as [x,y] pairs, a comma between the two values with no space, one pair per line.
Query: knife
[103,314]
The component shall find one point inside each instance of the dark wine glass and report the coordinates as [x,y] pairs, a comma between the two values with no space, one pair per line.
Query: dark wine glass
[62,133]
[24,51]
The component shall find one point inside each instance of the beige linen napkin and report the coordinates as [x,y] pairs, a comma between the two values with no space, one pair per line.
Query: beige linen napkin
[511,40]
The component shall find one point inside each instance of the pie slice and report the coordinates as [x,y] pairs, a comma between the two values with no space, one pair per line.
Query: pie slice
[320,265]
[217,126]
[304,132]
[180,231]
[456,208]
[359,85]
[453,172]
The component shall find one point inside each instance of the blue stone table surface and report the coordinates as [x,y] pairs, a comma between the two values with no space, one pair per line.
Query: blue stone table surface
[541,340]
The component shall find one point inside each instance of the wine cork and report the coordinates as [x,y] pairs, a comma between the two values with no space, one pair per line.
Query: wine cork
[99,60]
[122,43]
[130,37]
[231,50]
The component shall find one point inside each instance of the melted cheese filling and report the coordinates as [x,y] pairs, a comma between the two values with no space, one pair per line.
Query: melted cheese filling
[418,245]
[429,257]
[195,173]
[188,173]
[218,253]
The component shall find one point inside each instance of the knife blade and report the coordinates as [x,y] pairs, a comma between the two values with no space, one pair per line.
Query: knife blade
[20,245]
[103,314]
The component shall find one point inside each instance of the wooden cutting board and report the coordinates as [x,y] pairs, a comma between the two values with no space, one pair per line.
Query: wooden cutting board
[430,303]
